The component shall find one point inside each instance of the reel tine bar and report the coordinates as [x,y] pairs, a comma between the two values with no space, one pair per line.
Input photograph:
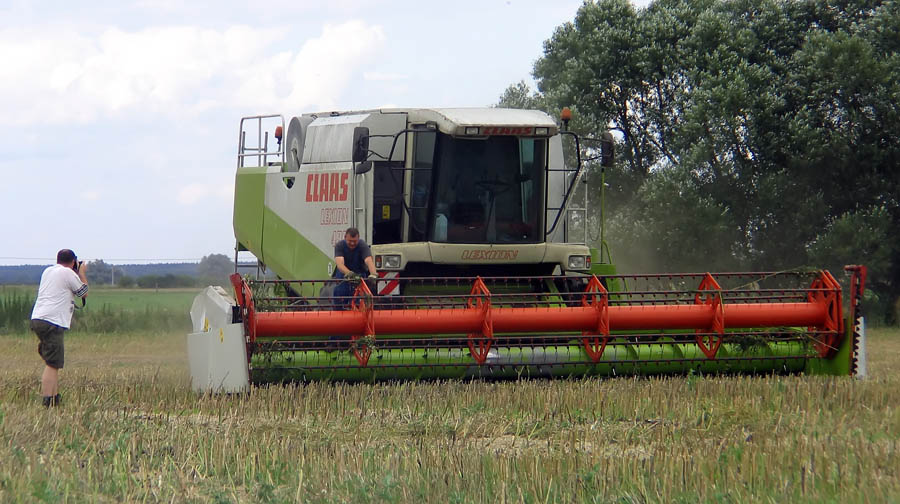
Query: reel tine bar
[480,301]
[597,297]
[711,339]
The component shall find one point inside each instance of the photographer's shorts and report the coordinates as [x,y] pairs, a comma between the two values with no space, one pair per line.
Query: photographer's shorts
[51,342]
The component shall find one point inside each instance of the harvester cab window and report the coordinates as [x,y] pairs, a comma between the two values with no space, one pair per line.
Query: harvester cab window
[532,153]
[489,190]
[420,184]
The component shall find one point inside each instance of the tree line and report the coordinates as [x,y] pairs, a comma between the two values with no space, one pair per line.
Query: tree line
[212,269]
[752,134]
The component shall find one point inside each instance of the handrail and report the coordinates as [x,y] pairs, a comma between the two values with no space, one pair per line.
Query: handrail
[261,151]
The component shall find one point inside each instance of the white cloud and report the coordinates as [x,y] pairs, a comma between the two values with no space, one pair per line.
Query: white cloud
[192,194]
[226,192]
[53,76]
[330,61]
[90,195]
[384,76]
[160,5]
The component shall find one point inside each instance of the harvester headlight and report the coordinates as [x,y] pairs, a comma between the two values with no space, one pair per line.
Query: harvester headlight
[579,262]
[541,131]
[387,261]
[392,261]
[472,130]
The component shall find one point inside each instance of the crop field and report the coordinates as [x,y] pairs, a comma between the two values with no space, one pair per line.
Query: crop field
[177,300]
[108,309]
[130,429]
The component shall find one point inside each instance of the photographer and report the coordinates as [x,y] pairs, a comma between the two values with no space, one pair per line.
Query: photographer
[52,315]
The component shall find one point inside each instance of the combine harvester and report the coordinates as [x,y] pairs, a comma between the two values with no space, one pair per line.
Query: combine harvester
[479,233]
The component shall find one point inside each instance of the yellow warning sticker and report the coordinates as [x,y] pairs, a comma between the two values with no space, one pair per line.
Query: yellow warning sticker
[221,335]
[385,211]
[205,324]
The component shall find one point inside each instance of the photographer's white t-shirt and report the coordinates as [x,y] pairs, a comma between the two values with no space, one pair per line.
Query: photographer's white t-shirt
[56,295]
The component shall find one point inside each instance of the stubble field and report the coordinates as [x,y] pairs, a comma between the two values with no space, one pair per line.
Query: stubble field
[130,429]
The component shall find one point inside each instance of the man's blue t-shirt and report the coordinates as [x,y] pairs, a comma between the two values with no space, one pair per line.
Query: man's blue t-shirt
[354,259]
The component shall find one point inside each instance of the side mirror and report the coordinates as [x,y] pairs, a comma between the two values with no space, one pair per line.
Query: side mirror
[360,144]
[362,167]
[607,149]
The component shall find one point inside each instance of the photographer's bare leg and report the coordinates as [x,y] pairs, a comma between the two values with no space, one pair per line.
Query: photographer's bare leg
[50,382]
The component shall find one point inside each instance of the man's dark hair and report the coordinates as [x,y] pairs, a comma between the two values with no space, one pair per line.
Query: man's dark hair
[352,232]
[65,256]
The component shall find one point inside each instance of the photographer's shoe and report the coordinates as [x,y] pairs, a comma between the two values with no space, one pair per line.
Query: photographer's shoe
[52,401]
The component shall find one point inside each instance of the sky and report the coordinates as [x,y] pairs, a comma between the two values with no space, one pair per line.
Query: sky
[119,123]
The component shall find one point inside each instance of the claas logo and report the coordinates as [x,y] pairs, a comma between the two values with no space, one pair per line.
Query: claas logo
[327,186]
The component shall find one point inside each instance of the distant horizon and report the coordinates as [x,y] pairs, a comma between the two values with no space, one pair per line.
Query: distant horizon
[111,262]
[17,261]
[30,274]
[149,262]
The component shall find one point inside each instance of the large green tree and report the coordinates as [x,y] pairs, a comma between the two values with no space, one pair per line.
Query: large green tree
[215,267]
[99,272]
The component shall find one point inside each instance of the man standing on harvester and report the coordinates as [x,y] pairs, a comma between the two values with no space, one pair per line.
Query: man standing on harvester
[353,260]
[52,316]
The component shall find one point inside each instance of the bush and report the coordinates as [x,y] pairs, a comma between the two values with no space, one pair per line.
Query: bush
[166,281]
[862,237]
[110,319]
[126,282]
[15,311]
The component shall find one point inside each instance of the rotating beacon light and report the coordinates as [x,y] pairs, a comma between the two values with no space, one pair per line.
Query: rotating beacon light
[565,115]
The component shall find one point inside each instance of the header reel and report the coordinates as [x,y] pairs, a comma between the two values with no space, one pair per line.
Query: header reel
[508,327]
